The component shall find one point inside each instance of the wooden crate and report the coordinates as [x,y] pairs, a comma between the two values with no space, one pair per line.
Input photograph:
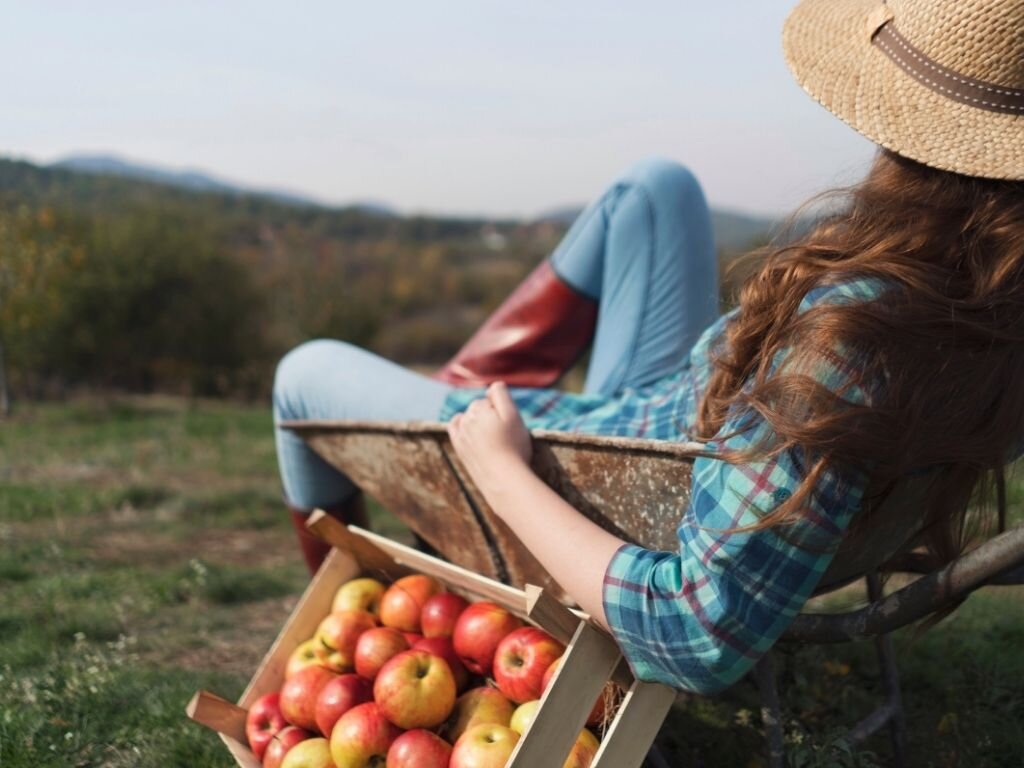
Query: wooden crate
[592,658]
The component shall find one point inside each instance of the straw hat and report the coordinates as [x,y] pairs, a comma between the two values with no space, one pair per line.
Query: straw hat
[938,81]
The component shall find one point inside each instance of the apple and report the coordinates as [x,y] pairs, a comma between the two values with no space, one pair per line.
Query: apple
[282,742]
[523,716]
[263,720]
[439,614]
[415,689]
[419,749]
[338,697]
[484,746]
[597,714]
[311,753]
[479,706]
[375,646]
[337,635]
[299,694]
[478,631]
[522,659]
[359,595]
[303,656]
[362,737]
[403,602]
[442,646]
[583,751]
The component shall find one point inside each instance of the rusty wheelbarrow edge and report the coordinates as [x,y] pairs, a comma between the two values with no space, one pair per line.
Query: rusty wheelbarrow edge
[682,450]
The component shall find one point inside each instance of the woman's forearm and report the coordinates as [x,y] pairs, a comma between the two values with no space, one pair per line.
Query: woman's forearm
[574,550]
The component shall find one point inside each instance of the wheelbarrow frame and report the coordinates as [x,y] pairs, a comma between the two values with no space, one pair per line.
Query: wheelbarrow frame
[637,489]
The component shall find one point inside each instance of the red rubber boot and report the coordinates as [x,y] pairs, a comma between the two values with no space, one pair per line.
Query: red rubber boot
[534,337]
[314,550]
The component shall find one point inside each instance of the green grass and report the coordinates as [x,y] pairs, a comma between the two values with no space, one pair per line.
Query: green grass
[144,554]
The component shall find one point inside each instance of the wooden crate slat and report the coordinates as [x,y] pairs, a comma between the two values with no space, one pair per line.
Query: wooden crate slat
[454,575]
[589,660]
[550,615]
[372,559]
[636,724]
[314,604]
[217,714]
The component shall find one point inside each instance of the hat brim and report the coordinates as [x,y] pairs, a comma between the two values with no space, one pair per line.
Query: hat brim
[827,44]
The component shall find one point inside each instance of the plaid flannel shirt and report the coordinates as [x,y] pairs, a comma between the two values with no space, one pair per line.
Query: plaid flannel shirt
[699,618]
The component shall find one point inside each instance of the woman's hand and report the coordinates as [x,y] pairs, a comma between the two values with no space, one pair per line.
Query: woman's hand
[490,437]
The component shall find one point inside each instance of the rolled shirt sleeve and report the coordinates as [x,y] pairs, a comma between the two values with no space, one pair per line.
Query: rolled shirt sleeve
[699,618]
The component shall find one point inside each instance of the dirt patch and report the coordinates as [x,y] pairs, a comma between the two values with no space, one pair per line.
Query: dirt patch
[266,548]
[233,641]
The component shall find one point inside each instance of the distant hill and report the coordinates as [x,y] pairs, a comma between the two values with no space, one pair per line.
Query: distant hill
[241,216]
[193,179]
[733,231]
[99,181]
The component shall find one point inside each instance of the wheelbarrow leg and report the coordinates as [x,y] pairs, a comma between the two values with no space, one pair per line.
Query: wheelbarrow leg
[890,682]
[771,711]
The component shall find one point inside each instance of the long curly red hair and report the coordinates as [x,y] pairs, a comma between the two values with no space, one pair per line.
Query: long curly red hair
[946,339]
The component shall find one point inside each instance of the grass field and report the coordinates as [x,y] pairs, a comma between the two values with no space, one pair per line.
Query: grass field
[144,554]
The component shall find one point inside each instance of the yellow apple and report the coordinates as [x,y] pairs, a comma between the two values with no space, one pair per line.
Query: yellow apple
[523,716]
[359,595]
[583,751]
[301,657]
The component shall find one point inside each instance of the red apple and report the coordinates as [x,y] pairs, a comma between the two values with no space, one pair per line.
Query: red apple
[337,635]
[479,706]
[484,746]
[362,737]
[419,749]
[442,646]
[583,751]
[550,673]
[282,742]
[522,659]
[415,689]
[338,697]
[359,595]
[403,602]
[375,646]
[597,714]
[263,720]
[478,631]
[299,695]
[440,614]
[311,753]
[303,656]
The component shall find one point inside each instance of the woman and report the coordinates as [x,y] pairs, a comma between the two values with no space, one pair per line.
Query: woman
[887,342]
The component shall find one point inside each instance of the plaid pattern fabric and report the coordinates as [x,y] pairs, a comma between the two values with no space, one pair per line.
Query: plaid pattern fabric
[699,618]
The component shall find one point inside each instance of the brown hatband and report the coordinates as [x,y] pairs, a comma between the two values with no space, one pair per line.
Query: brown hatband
[927,71]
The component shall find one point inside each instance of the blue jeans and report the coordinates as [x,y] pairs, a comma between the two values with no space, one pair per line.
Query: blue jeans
[644,250]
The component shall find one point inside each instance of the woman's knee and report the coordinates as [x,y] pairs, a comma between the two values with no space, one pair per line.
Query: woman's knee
[301,368]
[667,184]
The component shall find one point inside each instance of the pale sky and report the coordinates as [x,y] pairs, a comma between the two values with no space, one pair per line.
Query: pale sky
[456,106]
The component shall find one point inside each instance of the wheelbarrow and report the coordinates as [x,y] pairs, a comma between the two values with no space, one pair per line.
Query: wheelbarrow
[636,489]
